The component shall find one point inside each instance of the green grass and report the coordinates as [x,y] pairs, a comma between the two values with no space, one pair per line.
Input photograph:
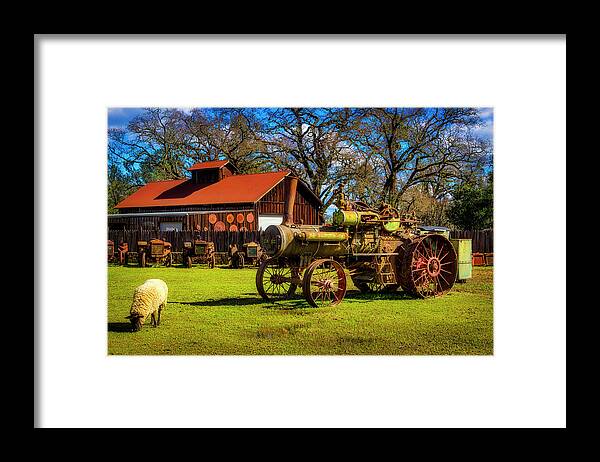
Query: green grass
[218,312]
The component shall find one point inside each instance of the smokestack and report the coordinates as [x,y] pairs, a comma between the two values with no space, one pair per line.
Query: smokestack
[291,183]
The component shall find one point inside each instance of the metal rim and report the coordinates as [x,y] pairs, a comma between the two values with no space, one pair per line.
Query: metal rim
[274,280]
[429,266]
[324,283]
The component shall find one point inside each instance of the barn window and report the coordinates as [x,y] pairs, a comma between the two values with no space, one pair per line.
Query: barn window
[171,226]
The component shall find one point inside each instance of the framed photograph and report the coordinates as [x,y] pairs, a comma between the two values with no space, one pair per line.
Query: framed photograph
[298,231]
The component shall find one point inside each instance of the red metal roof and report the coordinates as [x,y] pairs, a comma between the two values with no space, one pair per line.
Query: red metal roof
[209,164]
[230,190]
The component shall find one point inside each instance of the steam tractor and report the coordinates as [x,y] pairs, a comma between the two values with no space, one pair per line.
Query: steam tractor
[154,251]
[381,250]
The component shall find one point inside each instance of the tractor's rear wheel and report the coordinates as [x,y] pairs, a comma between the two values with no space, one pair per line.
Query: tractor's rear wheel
[428,266]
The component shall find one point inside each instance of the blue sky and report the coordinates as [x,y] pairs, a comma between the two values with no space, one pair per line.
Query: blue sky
[487,114]
[120,117]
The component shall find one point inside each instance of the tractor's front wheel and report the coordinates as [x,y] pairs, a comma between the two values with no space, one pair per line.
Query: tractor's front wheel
[274,280]
[324,283]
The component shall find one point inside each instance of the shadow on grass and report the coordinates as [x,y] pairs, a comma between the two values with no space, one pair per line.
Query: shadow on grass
[119,327]
[358,295]
[224,302]
[288,304]
[297,301]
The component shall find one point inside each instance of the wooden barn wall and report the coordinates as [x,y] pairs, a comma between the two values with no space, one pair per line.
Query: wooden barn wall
[226,171]
[305,207]
[188,222]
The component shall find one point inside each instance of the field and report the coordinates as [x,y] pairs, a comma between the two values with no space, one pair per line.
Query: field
[219,312]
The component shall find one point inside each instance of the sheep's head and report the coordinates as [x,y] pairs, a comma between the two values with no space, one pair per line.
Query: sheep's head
[136,322]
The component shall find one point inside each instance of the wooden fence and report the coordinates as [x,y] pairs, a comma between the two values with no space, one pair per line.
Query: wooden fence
[483,240]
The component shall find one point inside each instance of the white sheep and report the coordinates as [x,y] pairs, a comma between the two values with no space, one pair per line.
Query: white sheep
[148,299]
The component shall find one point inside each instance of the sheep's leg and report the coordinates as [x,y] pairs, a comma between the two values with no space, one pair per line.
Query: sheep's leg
[160,308]
[153,320]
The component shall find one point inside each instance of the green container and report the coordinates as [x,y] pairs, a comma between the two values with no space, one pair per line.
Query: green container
[465,259]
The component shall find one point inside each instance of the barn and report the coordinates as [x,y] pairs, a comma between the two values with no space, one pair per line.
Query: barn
[217,198]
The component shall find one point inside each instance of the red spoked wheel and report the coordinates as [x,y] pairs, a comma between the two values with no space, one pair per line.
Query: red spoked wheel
[324,283]
[429,266]
[275,280]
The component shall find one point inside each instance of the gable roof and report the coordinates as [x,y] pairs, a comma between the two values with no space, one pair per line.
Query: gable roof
[210,164]
[230,190]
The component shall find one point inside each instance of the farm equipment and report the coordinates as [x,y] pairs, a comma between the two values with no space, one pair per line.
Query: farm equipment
[111,250]
[123,253]
[253,253]
[381,249]
[463,247]
[236,257]
[155,251]
[198,251]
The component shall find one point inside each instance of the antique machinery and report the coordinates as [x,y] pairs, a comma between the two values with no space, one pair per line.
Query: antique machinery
[381,250]
[236,257]
[199,251]
[154,251]
[254,253]
[123,253]
[111,250]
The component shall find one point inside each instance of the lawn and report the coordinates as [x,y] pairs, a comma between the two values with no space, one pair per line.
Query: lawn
[219,312]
